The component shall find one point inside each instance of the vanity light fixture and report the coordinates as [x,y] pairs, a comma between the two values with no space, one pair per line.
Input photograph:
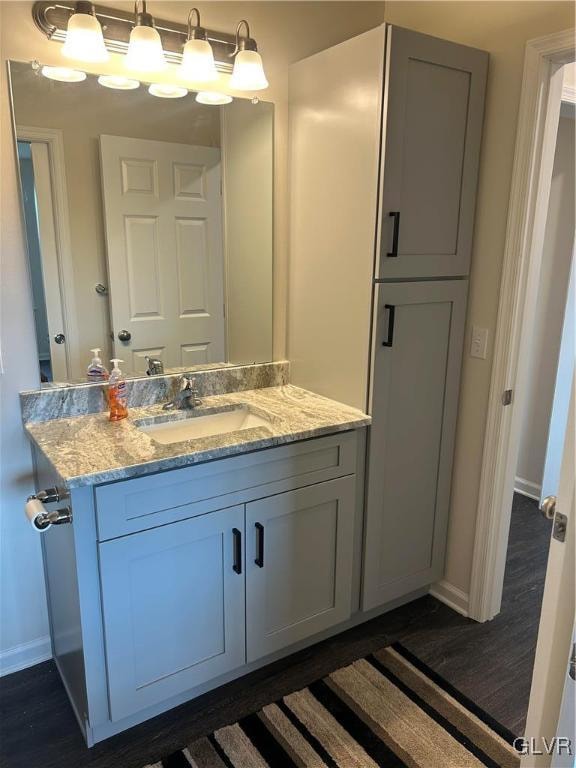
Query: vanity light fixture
[84,39]
[64,74]
[145,53]
[197,57]
[248,73]
[167,91]
[213,98]
[118,82]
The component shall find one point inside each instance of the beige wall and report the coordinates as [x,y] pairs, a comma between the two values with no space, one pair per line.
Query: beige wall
[502,29]
[550,307]
[286,32]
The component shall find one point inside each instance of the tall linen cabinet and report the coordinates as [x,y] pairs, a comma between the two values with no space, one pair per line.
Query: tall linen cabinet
[385,132]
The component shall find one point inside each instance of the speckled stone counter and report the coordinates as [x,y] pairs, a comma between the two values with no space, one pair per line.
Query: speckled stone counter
[86,450]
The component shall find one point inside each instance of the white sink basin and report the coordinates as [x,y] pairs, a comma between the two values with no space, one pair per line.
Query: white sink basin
[176,428]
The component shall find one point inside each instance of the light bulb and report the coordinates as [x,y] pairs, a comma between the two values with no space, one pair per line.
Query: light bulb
[119,82]
[84,39]
[198,62]
[248,73]
[145,52]
[167,91]
[213,97]
[64,74]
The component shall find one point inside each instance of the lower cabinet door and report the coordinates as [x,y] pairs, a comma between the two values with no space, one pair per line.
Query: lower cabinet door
[416,372]
[173,605]
[299,548]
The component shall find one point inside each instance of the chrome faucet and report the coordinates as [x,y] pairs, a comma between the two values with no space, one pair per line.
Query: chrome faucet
[186,396]
[155,366]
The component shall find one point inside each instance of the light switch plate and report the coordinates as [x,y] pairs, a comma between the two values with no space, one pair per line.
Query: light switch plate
[479,343]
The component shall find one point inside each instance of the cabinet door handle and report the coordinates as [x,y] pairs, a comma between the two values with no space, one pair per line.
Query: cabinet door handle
[259,559]
[392,311]
[237,566]
[396,216]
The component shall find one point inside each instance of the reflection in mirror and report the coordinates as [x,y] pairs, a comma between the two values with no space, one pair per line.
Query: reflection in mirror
[148,223]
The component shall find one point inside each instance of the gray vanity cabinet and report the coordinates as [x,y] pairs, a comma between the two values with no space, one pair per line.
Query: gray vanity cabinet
[173,608]
[299,552]
[418,335]
[433,110]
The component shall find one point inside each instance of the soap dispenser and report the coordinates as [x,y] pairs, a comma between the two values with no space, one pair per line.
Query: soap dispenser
[96,370]
[117,395]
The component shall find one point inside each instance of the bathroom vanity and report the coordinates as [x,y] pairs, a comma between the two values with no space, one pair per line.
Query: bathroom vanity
[190,563]
[192,546]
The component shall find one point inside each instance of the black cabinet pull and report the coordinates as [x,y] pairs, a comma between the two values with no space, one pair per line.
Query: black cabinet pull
[259,559]
[391,310]
[396,216]
[237,567]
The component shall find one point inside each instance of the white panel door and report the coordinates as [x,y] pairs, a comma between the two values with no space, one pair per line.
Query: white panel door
[298,564]
[551,706]
[561,401]
[418,338]
[163,214]
[433,112]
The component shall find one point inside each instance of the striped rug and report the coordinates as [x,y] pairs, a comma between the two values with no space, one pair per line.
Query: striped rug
[388,709]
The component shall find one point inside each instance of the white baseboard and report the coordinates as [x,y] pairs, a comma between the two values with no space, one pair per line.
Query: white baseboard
[25,655]
[451,596]
[527,488]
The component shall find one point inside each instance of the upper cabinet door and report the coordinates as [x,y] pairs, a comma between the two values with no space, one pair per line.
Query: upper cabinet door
[432,127]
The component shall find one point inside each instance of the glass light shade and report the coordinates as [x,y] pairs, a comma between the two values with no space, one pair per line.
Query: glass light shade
[118,82]
[213,97]
[84,40]
[167,91]
[248,73]
[145,52]
[64,74]
[198,62]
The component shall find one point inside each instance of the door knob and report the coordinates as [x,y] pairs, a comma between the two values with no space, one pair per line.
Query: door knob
[548,507]
[59,338]
[124,335]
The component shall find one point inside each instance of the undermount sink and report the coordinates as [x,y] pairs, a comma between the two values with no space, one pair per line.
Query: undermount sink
[181,426]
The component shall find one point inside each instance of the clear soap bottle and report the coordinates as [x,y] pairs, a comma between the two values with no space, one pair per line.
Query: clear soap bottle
[96,371]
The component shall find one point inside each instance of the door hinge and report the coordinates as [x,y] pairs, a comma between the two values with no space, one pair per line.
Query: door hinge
[507,397]
[572,668]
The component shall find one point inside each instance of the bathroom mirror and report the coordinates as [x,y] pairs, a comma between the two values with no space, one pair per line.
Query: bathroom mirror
[148,223]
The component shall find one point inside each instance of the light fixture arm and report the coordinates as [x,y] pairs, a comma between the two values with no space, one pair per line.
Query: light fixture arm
[85,6]
[246,43]
[142,18]
[195,31]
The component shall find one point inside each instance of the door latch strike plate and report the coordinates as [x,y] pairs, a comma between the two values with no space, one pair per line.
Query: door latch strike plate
[559,529]
[507,397]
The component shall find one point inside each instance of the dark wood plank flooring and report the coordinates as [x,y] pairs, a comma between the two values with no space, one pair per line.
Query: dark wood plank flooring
[490,663]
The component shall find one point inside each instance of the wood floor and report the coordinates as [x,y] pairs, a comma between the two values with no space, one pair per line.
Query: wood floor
[490,663]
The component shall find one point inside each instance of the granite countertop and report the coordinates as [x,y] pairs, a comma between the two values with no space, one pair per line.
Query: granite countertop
[86,450]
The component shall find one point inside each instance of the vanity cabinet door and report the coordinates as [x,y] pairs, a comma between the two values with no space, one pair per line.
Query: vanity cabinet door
[418,338]
[433,113]
[173,605]
[298,564]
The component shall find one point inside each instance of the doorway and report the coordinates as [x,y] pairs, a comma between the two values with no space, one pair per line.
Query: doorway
[523,284]
[30,211]
[45,213]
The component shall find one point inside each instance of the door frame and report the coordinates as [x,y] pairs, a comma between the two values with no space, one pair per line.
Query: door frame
[531,178]
[53,138]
